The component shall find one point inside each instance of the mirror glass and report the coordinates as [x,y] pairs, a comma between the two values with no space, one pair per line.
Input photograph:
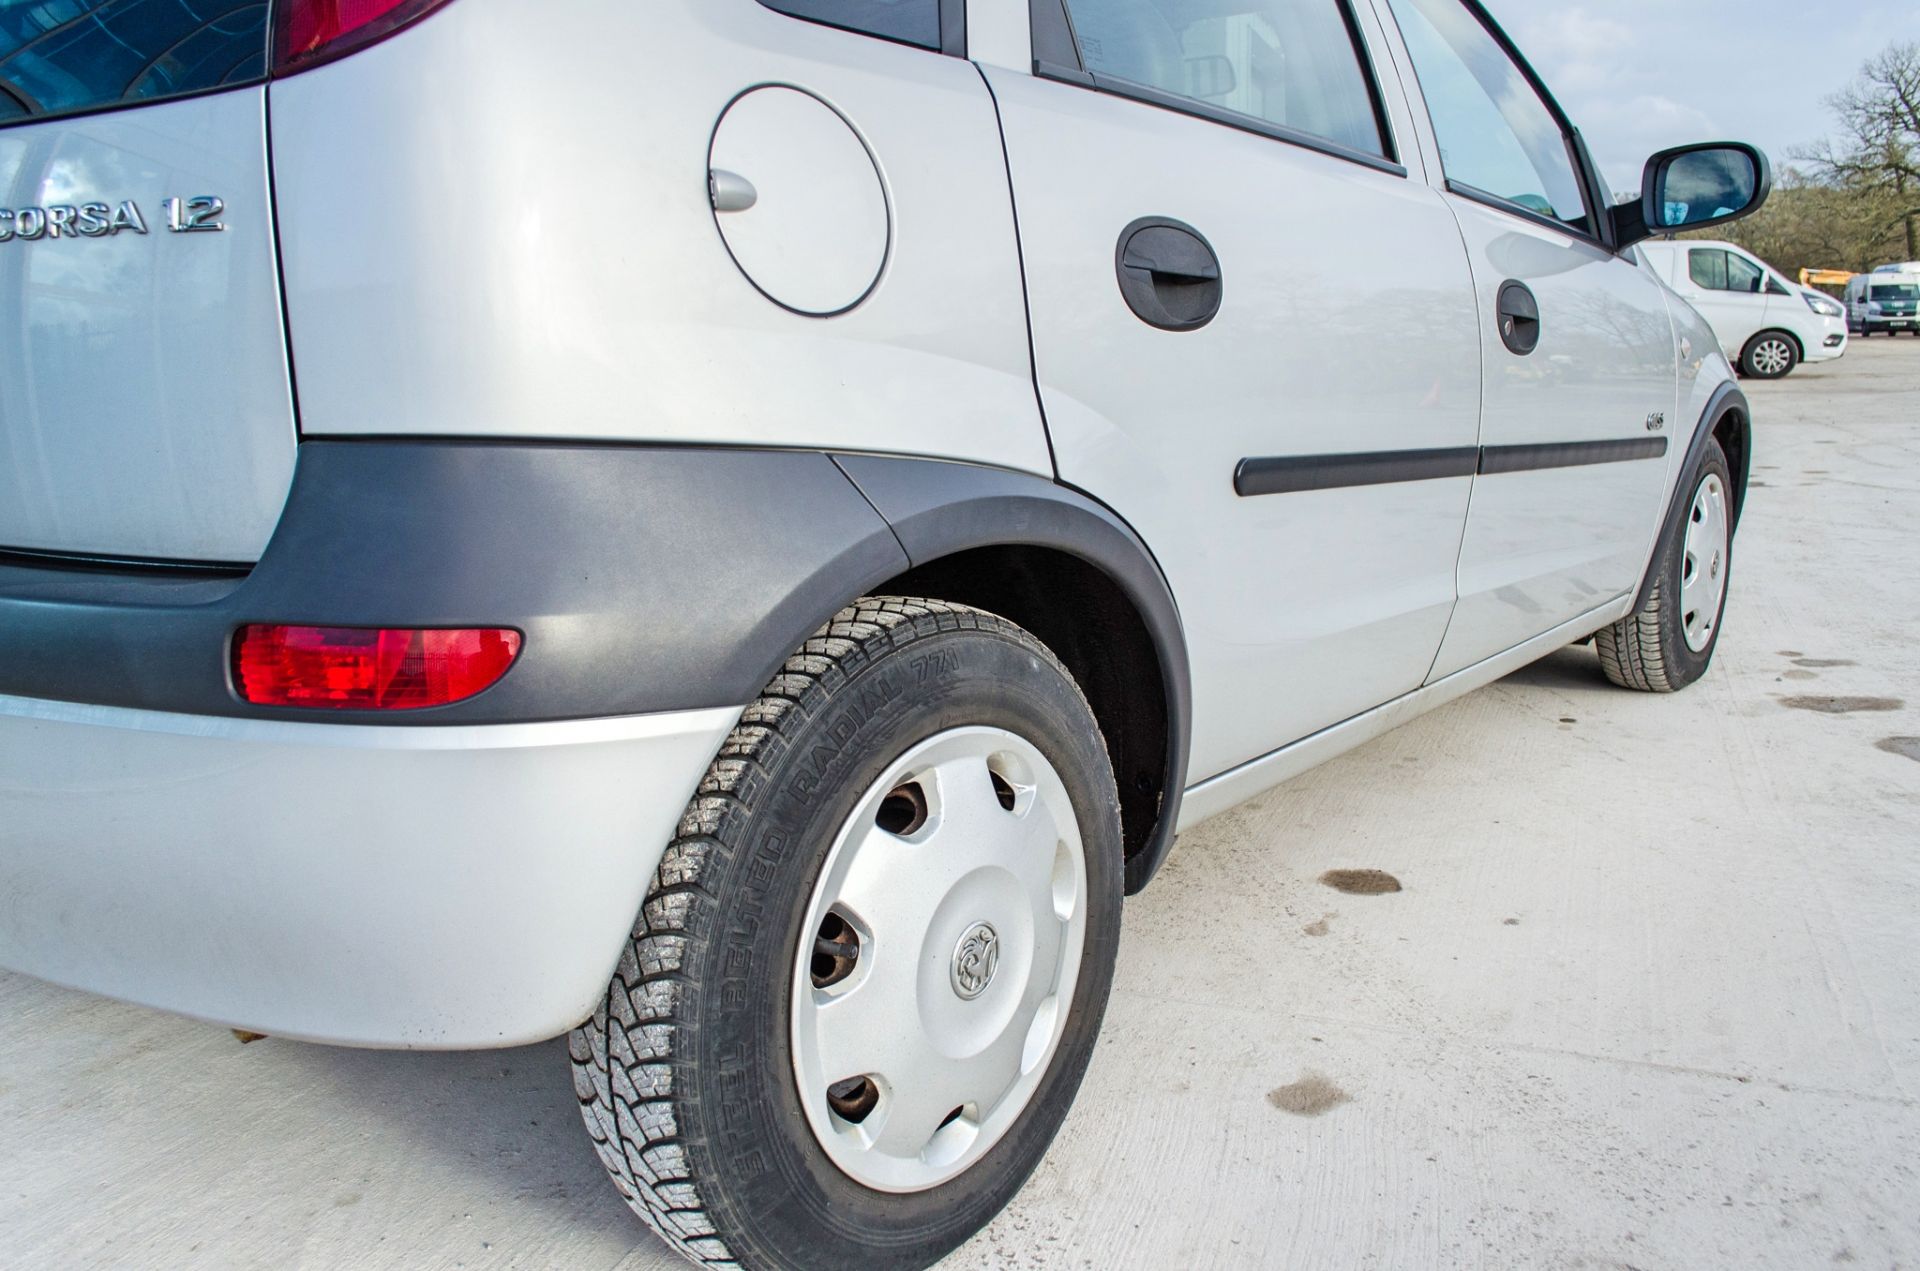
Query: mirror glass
[1705,185]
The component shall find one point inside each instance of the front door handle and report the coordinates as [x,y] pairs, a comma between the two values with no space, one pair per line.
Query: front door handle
[1519,315]
[1169,274]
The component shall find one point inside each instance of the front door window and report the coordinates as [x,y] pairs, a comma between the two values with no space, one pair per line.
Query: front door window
[1497,136]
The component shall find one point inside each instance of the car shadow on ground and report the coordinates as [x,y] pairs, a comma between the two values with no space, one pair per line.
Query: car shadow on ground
[1575,669]
[504,1123]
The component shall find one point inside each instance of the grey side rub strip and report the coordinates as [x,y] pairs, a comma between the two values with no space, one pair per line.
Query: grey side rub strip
[1569,454]
[1333,472]
[1299,474]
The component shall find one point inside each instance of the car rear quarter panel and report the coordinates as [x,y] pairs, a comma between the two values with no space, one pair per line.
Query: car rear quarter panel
[498,224]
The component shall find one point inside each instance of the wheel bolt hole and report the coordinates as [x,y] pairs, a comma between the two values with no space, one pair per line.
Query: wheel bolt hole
[854,1099]
[836,949]
[904,811]
[1003,791]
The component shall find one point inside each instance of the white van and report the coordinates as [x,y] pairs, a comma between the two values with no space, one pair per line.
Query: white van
[1888,299]
[1766,324]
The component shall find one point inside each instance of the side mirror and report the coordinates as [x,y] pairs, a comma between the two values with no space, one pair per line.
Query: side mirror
[1695,187]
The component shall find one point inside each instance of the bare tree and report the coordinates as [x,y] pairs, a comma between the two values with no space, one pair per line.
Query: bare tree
[1878,153]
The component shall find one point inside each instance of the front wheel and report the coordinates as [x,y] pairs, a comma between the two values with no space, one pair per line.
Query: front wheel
[863,990]
[1669,644]
[1770,356]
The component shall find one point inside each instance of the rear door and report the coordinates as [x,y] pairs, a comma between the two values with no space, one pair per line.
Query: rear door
[1580,363]
[1255,339]
[145,404]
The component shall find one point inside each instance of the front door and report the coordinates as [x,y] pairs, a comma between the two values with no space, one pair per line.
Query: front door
[1580,363]
[1731,292]
[1255,339]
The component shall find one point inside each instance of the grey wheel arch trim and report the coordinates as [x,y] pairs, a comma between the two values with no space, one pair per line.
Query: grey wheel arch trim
[1727,402]
[645,578]
[939,508]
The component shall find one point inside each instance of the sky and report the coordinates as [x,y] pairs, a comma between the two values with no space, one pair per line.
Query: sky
[1638,76]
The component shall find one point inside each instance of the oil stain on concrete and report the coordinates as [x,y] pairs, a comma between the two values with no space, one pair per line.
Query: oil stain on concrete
[1361,882]
[1909,747]
[1310,1096]
[1843,705]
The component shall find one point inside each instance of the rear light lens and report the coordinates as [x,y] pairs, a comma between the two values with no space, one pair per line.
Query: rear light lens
[368,669]
[308,32]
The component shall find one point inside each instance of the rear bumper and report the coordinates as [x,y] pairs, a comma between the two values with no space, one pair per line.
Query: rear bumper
[454,877]
[376,886]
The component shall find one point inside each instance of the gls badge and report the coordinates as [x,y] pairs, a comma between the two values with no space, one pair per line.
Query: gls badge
[198,215]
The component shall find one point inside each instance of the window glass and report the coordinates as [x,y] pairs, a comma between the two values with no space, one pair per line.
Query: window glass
[1708,268]
[1496,134]
[909,21]
[60,56]
[1894,291]
[1292,63]
[1744,275]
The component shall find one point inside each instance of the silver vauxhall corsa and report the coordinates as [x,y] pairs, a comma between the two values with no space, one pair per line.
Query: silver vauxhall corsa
[739,529]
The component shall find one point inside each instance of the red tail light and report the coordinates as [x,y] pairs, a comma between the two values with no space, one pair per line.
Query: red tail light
[308,32]
[368,669]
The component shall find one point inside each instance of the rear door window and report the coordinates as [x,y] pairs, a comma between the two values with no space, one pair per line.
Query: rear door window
[62,57]
[1293,64]
[908,21]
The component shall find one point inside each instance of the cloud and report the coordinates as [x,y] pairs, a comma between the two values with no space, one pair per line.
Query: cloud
[1623,132]
[1640,75]
[1572,35]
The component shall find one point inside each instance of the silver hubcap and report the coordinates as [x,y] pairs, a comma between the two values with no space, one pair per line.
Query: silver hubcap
[1772,357]
[1703,575]
[939,958]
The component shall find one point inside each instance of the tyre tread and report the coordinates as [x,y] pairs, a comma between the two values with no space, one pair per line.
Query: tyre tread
[625,1058]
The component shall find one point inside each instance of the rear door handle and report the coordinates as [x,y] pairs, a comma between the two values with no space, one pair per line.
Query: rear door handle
[1184,260]
[1519,316]
[1169,275]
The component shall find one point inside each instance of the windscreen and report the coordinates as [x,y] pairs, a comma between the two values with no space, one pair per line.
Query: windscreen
[63,57]
[1895,291]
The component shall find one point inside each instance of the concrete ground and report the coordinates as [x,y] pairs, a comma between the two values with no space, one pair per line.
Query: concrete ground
[1649,998]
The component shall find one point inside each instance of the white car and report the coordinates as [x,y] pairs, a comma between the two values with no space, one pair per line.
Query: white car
[738,531]
[1766,325]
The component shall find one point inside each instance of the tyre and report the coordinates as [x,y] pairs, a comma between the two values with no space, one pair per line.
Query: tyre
[865,985]
[1670,643]
[1769,356]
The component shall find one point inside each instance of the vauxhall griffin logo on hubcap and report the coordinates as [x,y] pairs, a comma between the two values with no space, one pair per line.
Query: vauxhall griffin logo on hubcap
[975,961]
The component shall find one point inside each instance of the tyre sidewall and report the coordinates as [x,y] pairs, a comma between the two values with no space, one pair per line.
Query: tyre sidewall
[782,1193]
[1747,364]
[1684,666]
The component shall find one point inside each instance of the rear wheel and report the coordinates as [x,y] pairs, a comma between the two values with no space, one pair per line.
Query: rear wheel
[1770,355]
[1669,644]
[864,988]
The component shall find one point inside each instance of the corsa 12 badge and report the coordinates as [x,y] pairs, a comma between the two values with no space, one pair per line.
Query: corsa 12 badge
[198,215]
